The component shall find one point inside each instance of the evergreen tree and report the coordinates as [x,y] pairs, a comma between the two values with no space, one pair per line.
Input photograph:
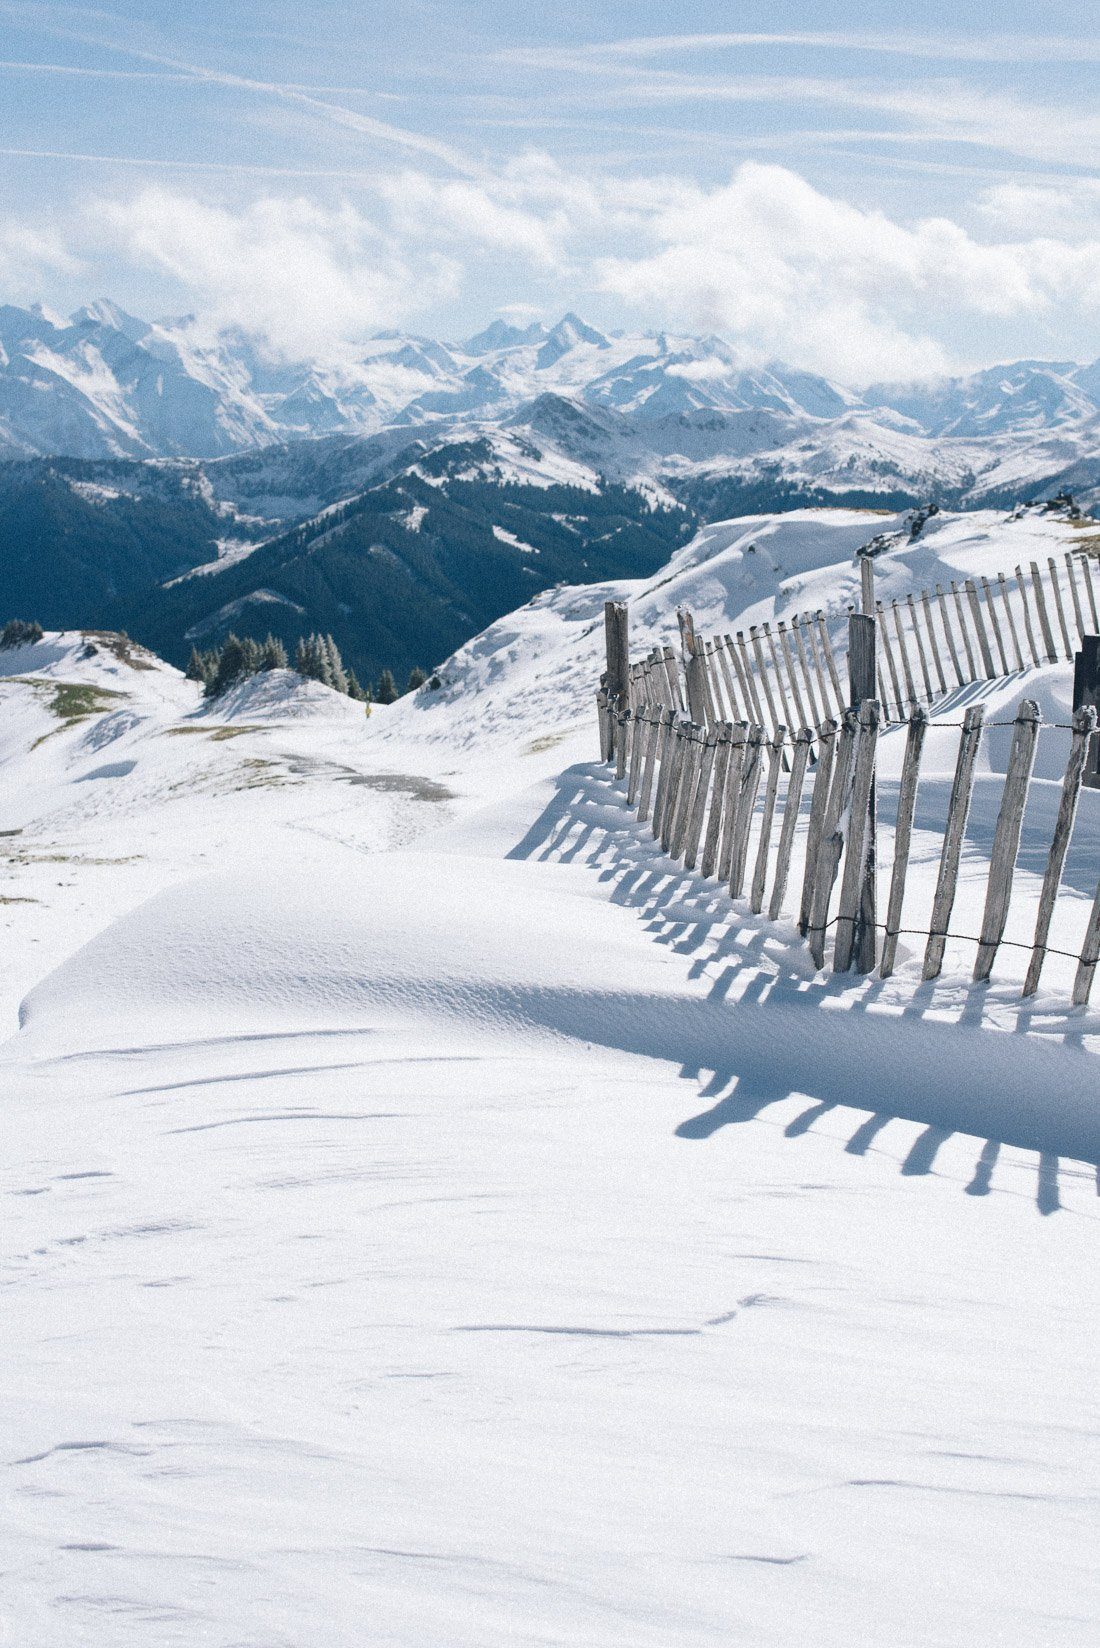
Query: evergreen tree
[354,689]
[417,678]
[251,656]
[231,664]
[337,679]
[387,691]
[196,667]
[301,656]
[273,654]
[17,632]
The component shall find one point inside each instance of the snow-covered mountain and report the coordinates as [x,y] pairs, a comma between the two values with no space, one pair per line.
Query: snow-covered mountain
[106,384]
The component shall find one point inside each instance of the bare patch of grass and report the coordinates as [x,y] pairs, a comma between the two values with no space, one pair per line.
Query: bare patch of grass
[549,741]
[223,733]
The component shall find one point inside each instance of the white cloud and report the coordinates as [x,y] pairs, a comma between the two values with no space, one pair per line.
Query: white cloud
[305,276]
[28,256]
[779,266]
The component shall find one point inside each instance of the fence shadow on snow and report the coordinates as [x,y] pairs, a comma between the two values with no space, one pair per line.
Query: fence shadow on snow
[770,1027]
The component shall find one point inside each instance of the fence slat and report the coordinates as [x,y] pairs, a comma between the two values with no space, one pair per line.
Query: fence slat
[743,679]
[717,800]
[746,802]
[920,648]
[780,683]
[936,659]
[645,793]
[799,757]
[1086,573]
[1075,593]
[888,651]
[1090,954]
[602,717]
[979,629]
[957,812]
[727,678]
[622,741]
[682,776]
[792,674]
[1058,606]
[987,591]
[756,700]
[945,619]
[827,649]
[671,774]
[1010,619]
[1084,723]
[819,801]
[739,733]
[760,869]
[638,742]
[832,841]
[699,800]
[762,676]
[1032,648]
[816,716]
[855,862]
[903,835]
[1006,835]
[664,754]
[971,666]
[910,688]
[819,669]
[1044,620]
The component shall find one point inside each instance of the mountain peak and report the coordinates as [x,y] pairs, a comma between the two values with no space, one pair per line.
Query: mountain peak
[500,334]
[566,335]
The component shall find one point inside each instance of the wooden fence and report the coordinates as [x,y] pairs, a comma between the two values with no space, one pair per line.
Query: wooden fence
[930,643]
[725,796]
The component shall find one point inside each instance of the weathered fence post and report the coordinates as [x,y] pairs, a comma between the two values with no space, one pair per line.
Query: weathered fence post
[958,810]
[862,678]
[790,819]
[617,639]
[1084,725]
[694,668]
[1086,690]
[903,835]
[859,860]
[1006,835]
[832,838]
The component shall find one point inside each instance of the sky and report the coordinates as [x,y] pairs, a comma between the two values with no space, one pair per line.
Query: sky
[867,190]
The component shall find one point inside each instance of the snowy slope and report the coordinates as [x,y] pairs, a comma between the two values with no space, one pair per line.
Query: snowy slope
[436,1219]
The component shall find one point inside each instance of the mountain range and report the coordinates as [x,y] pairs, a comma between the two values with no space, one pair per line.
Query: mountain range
[105,384]
[180,488]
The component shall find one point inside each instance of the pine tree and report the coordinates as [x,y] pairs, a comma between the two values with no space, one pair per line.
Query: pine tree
[417,678]
[387,691]
[196,666]
[273,654]
[337,679]
[354,689]
[301,656]
[231,664]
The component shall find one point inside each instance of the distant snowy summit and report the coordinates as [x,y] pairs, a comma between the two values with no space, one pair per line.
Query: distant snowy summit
[105,384]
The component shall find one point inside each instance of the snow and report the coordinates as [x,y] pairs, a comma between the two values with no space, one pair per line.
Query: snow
[435,1218]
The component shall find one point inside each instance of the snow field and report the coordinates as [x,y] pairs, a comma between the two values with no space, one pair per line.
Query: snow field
[433,1218]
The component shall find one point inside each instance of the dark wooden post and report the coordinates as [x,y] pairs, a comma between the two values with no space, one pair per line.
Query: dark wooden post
[862,686]
[1086,691]
[617,682]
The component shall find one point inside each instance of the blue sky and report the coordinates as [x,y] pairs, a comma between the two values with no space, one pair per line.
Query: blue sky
[869,190]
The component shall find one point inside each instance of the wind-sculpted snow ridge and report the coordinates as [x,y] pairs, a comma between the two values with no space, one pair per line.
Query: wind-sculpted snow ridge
[433,1217]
